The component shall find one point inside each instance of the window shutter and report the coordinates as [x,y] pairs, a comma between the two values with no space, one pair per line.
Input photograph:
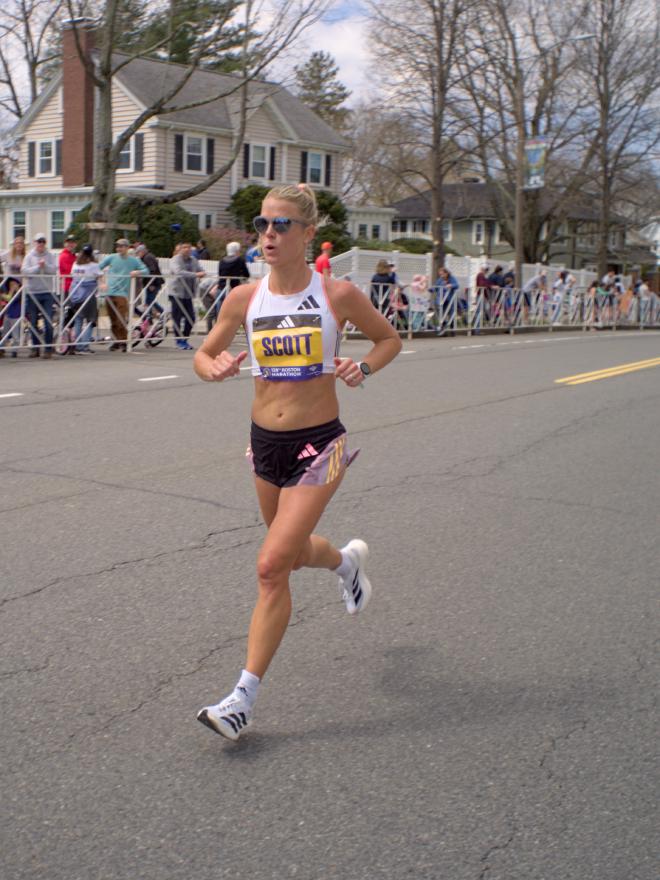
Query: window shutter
[178,152]
[271,175]
[210,155]
[58,157]
[139,152]
[32,154]
[303,166]
[246,160]
[328,170]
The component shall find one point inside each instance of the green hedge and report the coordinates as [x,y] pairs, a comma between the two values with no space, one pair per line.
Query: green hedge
[155,223]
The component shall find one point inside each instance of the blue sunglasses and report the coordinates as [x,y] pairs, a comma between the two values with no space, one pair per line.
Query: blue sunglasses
[280,224]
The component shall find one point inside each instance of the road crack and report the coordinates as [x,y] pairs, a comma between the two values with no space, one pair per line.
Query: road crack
[10,673]
[553,743]
[116,566]
[498,847]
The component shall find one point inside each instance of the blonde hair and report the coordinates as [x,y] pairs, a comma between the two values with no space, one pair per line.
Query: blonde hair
[302,196]
[13,251]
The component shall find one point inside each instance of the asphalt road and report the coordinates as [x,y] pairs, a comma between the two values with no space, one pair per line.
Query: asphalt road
[493,714]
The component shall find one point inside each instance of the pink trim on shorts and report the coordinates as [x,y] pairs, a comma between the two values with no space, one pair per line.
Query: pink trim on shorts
[329,463]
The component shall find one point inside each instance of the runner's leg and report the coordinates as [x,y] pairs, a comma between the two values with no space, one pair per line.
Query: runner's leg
[318,552]
[299,508]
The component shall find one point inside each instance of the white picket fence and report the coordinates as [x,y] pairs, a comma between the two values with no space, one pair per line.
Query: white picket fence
[360,266]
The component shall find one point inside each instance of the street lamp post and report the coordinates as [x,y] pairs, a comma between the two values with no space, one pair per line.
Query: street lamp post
[518,231]
[519,217]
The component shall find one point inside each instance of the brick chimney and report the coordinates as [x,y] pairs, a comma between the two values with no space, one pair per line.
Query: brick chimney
[78,105]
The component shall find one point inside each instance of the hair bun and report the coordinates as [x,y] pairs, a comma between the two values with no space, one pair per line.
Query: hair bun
[302,196]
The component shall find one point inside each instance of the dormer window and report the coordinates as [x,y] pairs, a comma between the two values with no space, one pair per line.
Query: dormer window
[125,162]
[194,154]
[259,161]
[315,167]
[46,159]
[131,157]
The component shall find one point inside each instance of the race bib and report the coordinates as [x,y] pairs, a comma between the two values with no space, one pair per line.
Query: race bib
[288,347]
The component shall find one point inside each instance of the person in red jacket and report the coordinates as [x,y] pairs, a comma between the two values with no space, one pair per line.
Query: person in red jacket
[66,263]
[323,266]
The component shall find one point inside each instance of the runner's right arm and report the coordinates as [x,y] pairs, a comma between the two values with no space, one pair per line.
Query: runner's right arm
[213,362]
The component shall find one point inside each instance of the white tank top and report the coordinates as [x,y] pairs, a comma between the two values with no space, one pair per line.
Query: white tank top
[292,337]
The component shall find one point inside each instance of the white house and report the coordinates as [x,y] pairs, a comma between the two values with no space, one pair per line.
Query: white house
[284,142]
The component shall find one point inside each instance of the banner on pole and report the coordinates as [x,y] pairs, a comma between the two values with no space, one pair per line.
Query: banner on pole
[535,150]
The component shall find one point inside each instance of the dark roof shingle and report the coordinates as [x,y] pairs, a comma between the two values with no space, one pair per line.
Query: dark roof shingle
[466,201]
[148,78]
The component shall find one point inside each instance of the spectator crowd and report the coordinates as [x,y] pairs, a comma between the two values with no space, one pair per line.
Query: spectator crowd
[44,296]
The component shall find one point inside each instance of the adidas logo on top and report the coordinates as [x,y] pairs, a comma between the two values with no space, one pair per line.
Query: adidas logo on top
[287,322]
[308,303]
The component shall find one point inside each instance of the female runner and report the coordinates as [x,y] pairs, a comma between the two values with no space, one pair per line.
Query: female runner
[293,321]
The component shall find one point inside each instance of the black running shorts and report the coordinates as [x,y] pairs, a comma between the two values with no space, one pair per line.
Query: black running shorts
[308,456]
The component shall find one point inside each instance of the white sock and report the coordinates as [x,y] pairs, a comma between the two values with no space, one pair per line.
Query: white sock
[248,684]
[346,565]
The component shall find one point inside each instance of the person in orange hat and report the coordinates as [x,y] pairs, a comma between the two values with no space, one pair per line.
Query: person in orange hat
[323,266]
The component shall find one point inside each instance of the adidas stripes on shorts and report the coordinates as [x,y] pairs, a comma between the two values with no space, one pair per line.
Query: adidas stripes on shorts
[305,457]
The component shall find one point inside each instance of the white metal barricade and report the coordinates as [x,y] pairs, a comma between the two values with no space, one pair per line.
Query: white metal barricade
[53,322]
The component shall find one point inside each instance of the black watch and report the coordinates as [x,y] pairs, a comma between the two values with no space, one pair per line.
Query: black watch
[365,369]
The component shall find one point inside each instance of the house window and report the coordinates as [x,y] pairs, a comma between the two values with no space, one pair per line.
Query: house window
[57,229]
[194,154]
[363,231]
[403,226]
[614,238]
[196,219]
[395,226]
[446,230]
[586,237]
[375,232]
[208,221]
[125,162]
[543,231]
[477,232]
[20,227]
[314,167]
[46,165]
[258,160]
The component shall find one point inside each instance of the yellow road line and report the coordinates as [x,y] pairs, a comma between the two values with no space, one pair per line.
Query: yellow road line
[620,370]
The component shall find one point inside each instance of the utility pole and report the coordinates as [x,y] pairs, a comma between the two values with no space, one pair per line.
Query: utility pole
[518,232]
[519,219]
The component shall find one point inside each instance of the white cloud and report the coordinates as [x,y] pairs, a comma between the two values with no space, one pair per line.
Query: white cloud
[344,35]
[346,41]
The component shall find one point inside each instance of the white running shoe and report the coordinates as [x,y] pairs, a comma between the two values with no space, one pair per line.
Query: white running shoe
[229,718]
[355,588]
